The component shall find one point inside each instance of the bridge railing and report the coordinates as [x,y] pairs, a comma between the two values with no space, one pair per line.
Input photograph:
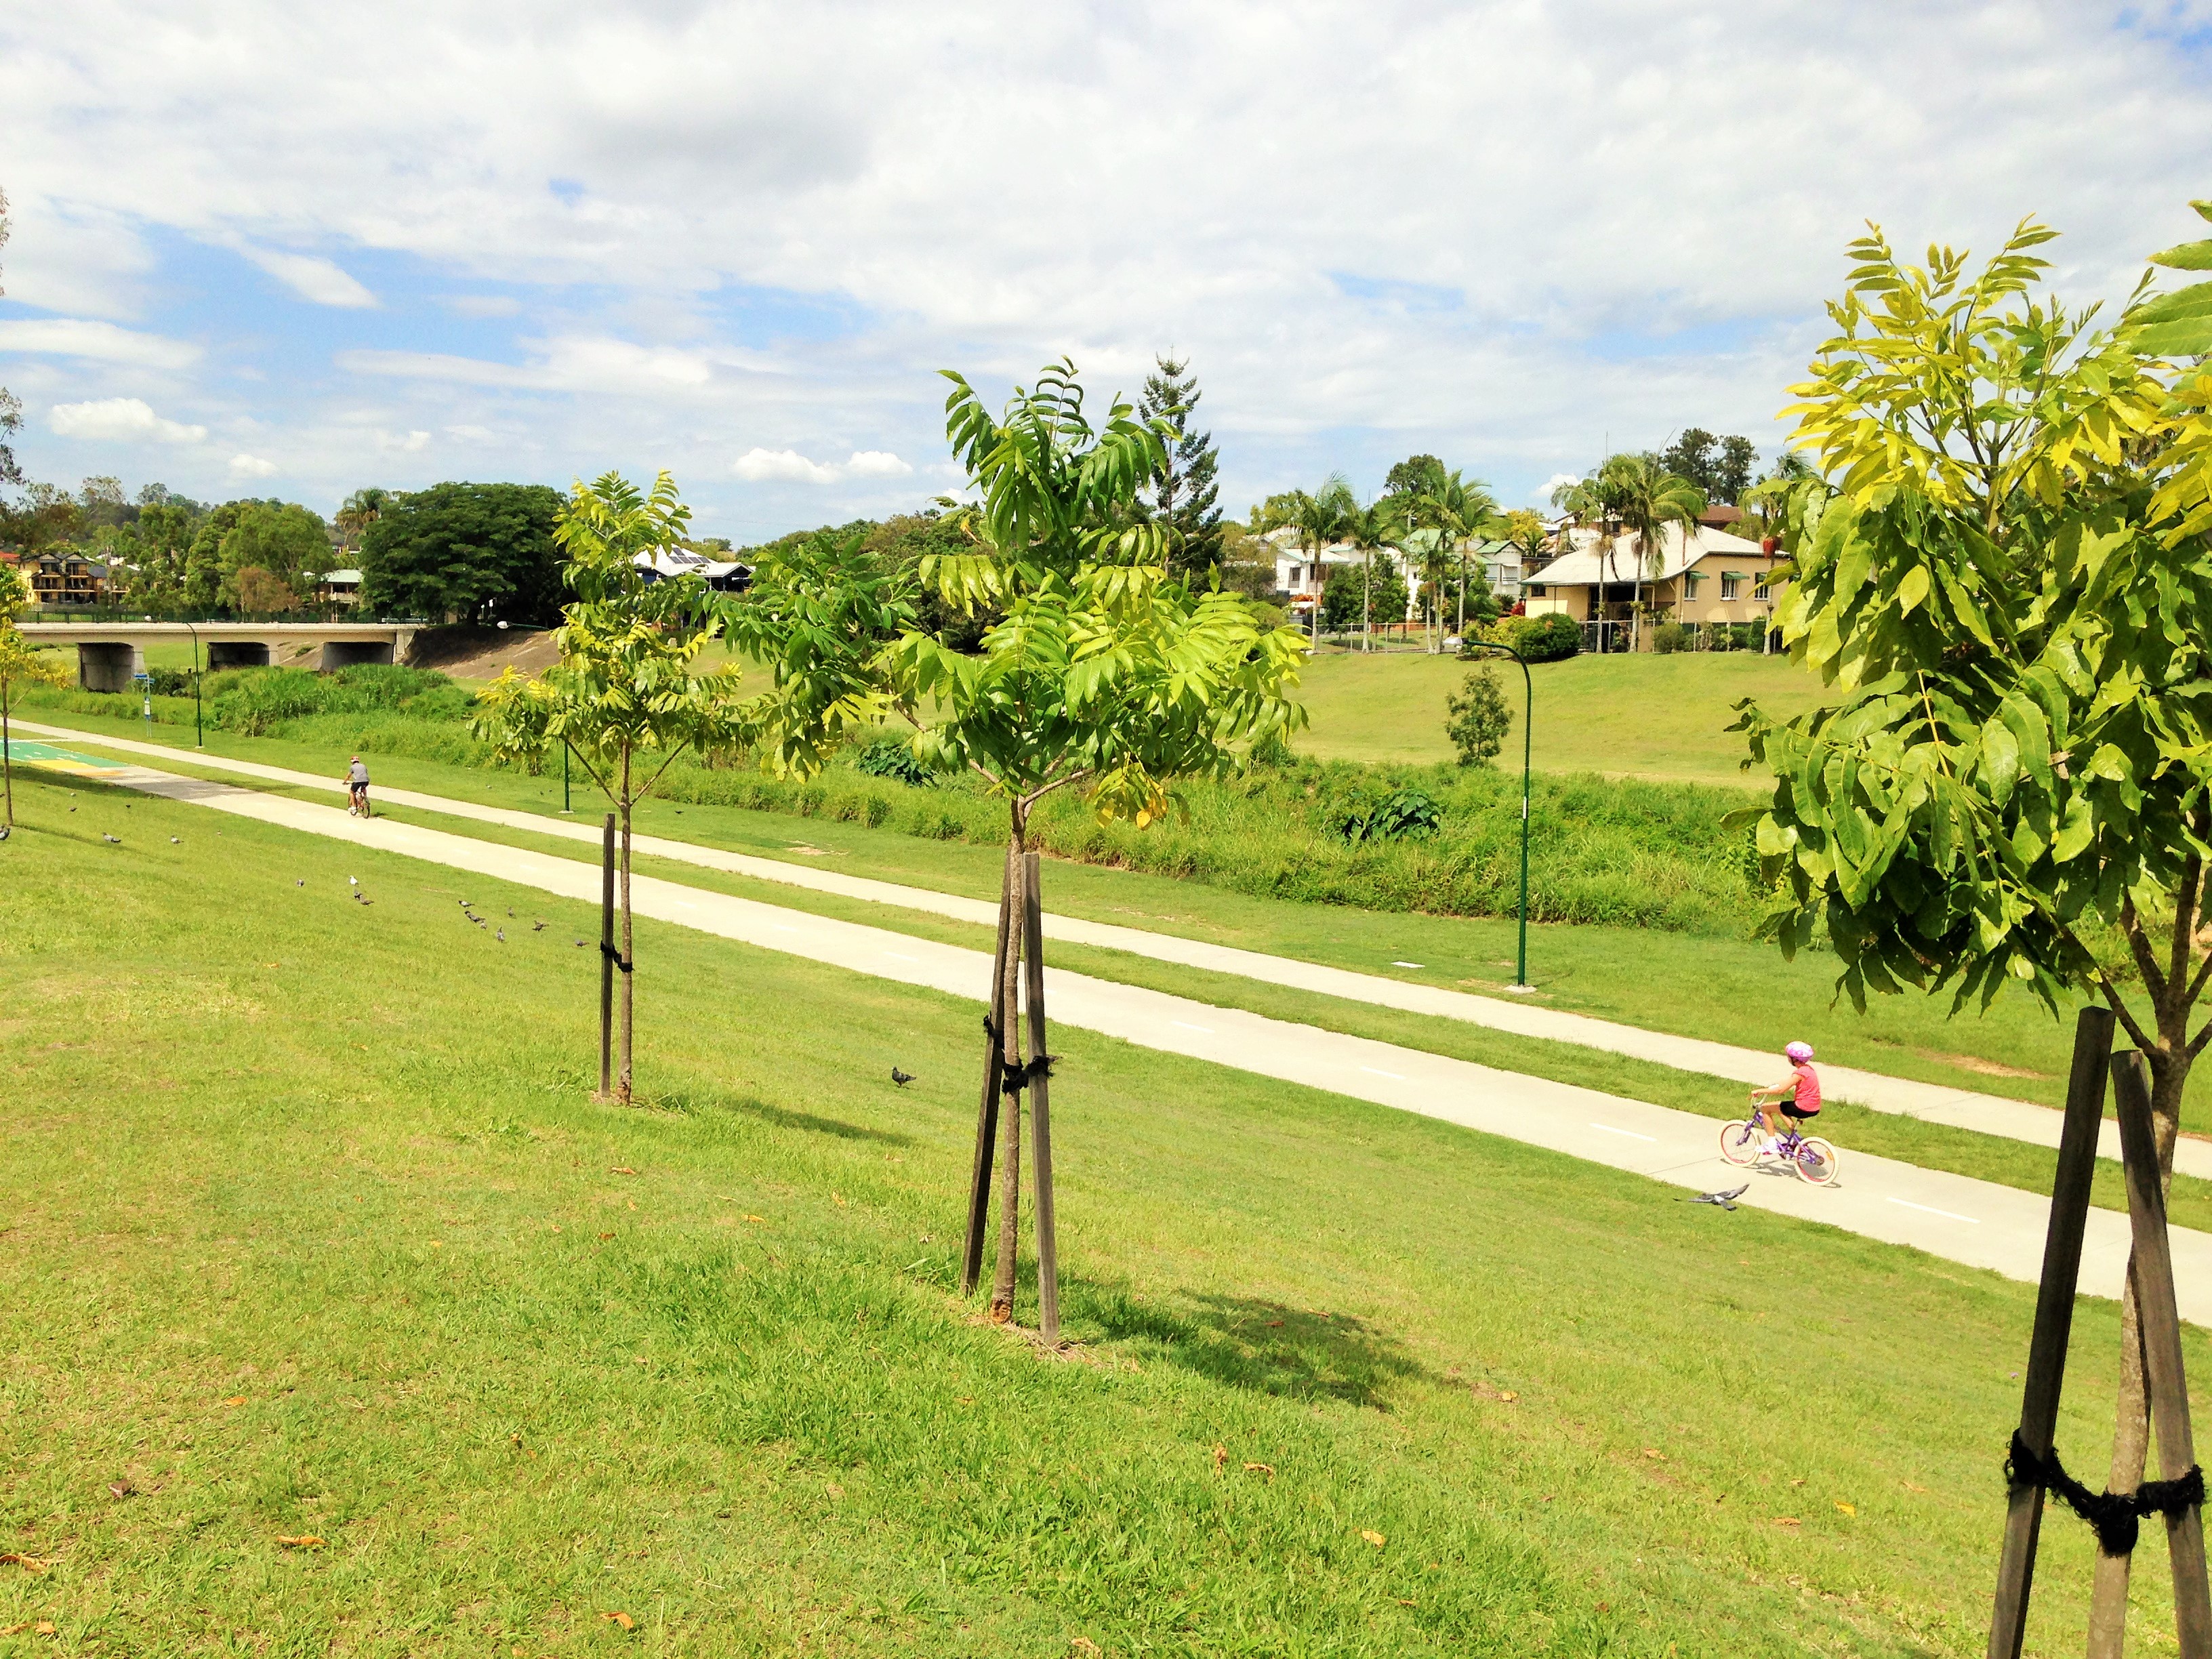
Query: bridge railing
[310,616]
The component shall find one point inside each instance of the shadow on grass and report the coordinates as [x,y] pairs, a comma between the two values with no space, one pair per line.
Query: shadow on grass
[1249,1342]
[780,1117]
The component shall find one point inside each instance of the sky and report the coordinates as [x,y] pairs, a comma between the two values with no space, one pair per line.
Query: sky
[280,250]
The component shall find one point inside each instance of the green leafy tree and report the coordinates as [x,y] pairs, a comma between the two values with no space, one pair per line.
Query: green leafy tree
[1184,492]
[468,551]
[20,665]
[626,697]
[1109,674]
[2014,785]
[46,517]
[1412,476]
[1732,473]
[1478,718]
[281,539]
[1345,600]
[1443,518]
[898,545]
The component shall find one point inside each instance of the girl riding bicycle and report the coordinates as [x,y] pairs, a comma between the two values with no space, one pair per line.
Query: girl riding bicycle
[1797,1097]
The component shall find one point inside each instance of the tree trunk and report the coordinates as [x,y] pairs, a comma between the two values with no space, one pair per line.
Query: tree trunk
[1010,1105]
[2108,1596]
[628,960]
[1367,603]
[7,757]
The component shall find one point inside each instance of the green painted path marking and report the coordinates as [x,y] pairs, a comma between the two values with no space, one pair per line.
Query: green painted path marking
[48,756]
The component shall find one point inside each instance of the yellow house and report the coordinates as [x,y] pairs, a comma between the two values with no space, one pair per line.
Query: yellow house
[1705,578]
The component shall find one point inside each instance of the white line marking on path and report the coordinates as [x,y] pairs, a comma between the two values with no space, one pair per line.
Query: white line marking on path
[1406,964]
[1930,1209]
[1205,1029]
[1371,1071]
[1631,1133]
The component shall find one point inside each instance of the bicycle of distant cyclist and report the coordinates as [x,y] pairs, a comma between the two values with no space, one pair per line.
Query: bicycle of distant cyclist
[1743,1142]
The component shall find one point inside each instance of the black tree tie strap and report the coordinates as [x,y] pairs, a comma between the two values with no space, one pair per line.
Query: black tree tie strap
[1012,1080]
[615,957]
[2112,1516]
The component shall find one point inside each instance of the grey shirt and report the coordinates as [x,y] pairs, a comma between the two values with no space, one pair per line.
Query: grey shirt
[357,773]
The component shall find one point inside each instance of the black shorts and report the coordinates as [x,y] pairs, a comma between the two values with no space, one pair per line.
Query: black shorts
[1789,1109]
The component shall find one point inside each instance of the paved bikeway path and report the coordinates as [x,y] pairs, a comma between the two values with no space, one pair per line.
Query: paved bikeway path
[2014,1119]
[1954,1217]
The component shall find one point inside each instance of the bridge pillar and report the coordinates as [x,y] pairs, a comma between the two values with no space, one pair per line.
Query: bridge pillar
[344,653]
[237,653]
[108,664]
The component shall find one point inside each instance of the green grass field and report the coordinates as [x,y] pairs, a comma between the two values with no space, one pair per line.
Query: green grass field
[1642,716]
[310,1231]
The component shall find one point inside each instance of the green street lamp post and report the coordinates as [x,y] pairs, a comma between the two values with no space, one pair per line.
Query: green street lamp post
[199,727]
[1528,719]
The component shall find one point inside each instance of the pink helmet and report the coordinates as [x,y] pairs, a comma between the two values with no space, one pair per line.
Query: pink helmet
[1799,1052]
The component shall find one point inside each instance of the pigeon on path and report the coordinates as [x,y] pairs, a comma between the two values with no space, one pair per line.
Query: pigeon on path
[1726,1200]
[901,1078]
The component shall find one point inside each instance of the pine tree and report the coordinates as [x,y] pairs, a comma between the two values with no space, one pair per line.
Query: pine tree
[1183,492]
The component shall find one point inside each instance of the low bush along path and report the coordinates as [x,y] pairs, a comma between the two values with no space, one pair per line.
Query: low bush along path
[338,1316]
[1953,1216]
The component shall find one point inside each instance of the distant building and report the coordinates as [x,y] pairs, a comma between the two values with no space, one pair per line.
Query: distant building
[58,581]
[722,576]
[1707,578]
[1303,574]
[338,587]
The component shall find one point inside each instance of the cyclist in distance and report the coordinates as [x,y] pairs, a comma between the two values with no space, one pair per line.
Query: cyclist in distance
[357,787]
[1797,1097]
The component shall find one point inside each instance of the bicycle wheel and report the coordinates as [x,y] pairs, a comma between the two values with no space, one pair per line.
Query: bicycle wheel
[1816,1162]
[1740,1141]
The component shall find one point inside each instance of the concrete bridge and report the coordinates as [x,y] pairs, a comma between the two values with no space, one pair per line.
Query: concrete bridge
[110,654]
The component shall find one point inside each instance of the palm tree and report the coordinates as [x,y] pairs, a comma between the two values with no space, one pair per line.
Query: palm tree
[1462,508]
[1320,520]
[1644,498]
[1590,500]
[1369,529]
[360,510]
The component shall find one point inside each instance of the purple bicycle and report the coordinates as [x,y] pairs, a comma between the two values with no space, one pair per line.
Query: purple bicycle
[1743,1142]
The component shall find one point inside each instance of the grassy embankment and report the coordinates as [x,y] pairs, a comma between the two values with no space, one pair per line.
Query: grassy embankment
[312,1233]
[1720,986]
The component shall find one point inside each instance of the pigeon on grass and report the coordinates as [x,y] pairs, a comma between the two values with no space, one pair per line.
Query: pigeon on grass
[117,840]
[901,1078]
[1726,1200]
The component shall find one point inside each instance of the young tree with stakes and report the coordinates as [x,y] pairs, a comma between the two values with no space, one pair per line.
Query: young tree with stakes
[2013,596]
[1108,675]
[626,697]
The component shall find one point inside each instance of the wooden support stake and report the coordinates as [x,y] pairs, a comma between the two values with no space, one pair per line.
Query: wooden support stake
[2054,1318]
[607,960]
[986,1113]
[1040,1100]
[2161,1337]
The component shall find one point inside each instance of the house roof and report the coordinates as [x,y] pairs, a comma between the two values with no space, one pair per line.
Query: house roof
[1587,566]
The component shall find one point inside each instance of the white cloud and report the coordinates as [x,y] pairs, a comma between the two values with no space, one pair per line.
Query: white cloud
[312,278]
[876,464]
[250,467]
[784,466]
[1541,493]
[120,420]
[70,336]
[403,443]
[469,433]
[778,224]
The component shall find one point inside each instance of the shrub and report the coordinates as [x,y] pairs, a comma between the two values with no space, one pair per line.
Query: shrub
[1404,814]
[1670,637]
[1479,718]
[1551,638]
[893,758]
